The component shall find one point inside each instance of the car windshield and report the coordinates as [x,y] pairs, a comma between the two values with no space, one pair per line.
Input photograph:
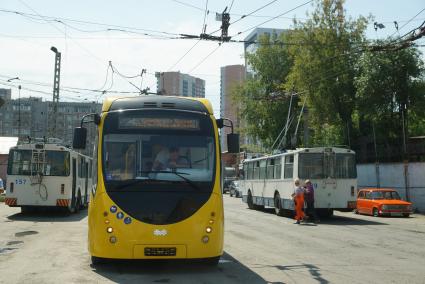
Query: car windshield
[391,195]
[152,147]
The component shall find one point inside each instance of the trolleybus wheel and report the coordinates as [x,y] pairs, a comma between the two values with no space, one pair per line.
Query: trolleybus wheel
[77,205]
[278,205]
[212,261]
[97,260]
[250,202]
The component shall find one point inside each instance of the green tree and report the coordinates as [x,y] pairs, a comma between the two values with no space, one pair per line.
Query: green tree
[390,90]
[325,50]
[263,102]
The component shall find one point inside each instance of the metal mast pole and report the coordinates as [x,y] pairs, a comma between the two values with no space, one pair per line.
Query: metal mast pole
[56,81]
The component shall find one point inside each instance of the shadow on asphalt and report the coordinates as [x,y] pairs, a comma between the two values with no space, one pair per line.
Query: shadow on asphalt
[48,215]
[335,220]
[229,270]
[299,268]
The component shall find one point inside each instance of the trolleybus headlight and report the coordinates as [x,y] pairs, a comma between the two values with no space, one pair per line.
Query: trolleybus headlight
[211,221]
[106,221]
[208,230]
[205,239]
[113,239]
[109,229]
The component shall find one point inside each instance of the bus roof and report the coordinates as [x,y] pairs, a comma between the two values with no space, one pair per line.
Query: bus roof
[155,101]
[304,150]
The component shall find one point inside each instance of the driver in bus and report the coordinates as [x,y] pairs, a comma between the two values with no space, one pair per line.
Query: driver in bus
[174,160]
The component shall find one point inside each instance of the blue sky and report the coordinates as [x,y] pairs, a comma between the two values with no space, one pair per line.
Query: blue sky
[25,42]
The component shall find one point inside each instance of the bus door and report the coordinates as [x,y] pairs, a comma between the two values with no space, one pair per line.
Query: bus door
[86,182]
[74,179]
[330,182]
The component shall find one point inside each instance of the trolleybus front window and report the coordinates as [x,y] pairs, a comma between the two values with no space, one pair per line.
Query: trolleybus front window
[53,163]
[151,147]
[158,166]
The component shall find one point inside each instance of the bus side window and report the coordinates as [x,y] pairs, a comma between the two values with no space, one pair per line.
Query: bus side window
[256,170]
[289,167]
[263,169]
[277,168]
[270,168]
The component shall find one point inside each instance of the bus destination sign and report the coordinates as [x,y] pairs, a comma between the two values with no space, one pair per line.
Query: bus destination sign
[158,123]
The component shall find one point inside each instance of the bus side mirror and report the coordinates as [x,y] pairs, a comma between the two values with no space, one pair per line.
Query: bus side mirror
[233,143]
[79,139]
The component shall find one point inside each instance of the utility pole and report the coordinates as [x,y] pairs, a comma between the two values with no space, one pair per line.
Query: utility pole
[56,80]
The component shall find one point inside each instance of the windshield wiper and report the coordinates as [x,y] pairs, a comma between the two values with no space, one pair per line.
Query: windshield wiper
[179,174]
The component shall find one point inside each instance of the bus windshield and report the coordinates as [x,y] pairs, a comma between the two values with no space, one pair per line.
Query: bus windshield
[157,147]
[56,163]
[323,165]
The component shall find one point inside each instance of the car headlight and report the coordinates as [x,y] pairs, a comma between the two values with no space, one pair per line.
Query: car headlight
[384,207]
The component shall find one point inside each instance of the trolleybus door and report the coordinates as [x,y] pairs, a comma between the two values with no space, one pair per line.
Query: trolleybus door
[86,184]
[74,179]
[330,181]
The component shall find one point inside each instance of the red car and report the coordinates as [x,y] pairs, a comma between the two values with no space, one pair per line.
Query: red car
[380,201]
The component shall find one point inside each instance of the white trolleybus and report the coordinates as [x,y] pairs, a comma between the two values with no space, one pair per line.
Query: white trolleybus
[47,174]
[269,181]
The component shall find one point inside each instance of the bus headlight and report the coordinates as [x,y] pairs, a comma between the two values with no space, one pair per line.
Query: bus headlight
[208,230]
[205,239]
[109,230]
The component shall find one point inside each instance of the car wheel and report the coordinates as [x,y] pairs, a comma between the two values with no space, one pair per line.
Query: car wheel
[375,212]
[278,205]
[356,211]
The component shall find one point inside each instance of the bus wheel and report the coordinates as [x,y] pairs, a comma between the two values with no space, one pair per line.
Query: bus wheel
[97,260]
[77,205]
[212,261]
[250,202]
[278,205]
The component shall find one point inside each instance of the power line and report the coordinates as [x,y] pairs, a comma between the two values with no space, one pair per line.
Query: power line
[284,13]
[48,19]
[205,58]
[249,14]
[408,22]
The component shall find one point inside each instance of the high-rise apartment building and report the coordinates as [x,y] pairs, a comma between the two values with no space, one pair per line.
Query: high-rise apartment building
[179,84]
[34,118]
[251,43]
[231,77]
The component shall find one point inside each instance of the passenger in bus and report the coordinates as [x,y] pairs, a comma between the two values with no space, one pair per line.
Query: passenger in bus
[298,197]
[309,201]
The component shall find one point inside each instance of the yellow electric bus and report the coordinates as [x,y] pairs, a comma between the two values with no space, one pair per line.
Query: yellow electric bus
[157,182]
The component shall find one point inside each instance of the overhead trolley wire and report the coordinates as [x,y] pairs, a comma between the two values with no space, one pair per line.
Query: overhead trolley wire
[269,20]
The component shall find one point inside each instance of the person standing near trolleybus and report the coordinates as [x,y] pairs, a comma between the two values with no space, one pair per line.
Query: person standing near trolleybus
[298,196]
[309,201]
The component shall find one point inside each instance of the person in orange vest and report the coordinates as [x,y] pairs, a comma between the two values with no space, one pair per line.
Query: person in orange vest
[298,196]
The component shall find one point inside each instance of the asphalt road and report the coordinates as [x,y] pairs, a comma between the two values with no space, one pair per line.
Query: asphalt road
[260,247]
